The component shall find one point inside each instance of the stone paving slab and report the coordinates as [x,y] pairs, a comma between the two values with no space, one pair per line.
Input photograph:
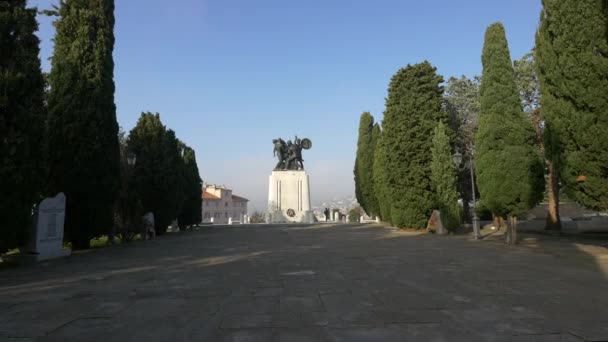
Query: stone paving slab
[312,283]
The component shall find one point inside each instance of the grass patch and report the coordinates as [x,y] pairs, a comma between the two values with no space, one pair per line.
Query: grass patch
[102,241]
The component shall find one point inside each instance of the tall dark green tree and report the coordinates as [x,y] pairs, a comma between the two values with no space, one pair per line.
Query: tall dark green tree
[84,157]
[373,202]
[164,176]
[572,66]
[444,180]
[529,91]
[146,140]
[509,171]
[174,181]
[364,162]
[191,211]
[22,118]
[381,184]
[413,108]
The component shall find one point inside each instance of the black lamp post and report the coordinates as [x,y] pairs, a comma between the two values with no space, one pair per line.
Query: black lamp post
[458,161]
[127,206]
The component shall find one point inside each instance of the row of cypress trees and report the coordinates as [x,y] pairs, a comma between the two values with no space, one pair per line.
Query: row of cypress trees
[413,172]
[62,135]
[571,61]
[165,178]
[404,170]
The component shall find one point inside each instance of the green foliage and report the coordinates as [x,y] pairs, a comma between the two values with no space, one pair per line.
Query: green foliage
[174,182]
[444,179]
[166,175]
[354,215]
[191,209]
[529,92]
[509,172]
[128,209]
[413,108]
[257,217]
[83,132]
[527,82]
[22,117]
[381,185]
[462,103]
[152,174]
[364,162]
[483,213]
[572,66]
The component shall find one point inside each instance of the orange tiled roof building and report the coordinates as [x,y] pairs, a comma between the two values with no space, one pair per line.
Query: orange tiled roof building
[221,206]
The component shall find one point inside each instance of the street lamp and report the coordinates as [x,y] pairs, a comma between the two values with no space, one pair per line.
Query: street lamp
[126,203]
[458,160]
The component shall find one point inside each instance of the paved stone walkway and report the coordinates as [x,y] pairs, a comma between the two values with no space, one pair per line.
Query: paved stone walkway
[316,283]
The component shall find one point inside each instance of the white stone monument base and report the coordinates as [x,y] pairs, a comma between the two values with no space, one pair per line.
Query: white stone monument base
[46,239]
[289,197]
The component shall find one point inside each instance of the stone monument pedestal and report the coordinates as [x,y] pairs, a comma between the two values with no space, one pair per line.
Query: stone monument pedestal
[46,238]
[289,197]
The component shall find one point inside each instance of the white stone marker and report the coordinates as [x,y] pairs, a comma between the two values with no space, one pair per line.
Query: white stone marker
[230,220]
[47,239]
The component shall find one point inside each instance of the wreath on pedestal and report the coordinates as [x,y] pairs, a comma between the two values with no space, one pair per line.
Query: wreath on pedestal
[291,212]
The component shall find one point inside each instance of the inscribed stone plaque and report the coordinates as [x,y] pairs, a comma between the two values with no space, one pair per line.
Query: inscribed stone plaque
[48,235]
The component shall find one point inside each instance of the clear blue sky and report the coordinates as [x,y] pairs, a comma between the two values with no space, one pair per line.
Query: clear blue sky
[230,75]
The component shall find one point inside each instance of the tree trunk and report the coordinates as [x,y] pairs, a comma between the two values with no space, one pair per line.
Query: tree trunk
[511,236]
[553,221]
[499,222]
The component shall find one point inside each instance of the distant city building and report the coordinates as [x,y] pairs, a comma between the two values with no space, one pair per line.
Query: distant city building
[343,204]
[220,204]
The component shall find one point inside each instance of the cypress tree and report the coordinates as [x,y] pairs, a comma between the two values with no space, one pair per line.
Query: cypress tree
[381,185]
[22,117]
[444,178]
[161,175]
[83,132]
[572,66]
[174,181]
[413,108]
[529,89]
[357,178]
[364,187]
[509,172]
[191,212]
[374,205]
[146,140]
